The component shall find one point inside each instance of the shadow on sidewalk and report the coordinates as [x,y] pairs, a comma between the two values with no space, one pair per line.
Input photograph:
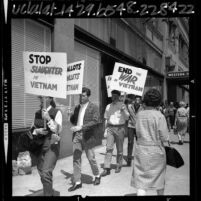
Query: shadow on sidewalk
[133,194]
[40,193]
[86,179]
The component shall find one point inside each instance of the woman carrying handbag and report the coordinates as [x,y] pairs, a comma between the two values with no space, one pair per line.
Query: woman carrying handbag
[149,165]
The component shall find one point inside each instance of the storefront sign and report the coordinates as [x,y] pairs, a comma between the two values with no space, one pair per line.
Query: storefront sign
[182,74]
[128,79]
[45,73]
[75,74]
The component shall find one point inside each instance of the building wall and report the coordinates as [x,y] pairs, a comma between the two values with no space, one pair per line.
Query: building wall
[177,54]
[145,41]
[63,41]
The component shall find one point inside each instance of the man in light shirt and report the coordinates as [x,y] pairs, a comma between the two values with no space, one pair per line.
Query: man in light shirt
[46,126]
[116,115]
[85,120]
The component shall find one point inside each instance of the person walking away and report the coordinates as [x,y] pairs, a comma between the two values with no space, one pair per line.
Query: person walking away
[181,122]
[188,114]
[171,111]
[115,116]
[167,117]
[49,153]
[149,165]
[85,120]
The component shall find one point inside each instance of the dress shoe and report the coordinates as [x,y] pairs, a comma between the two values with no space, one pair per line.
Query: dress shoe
[97,180]
[118,169]
[105,172]
[128,163]
[74,187]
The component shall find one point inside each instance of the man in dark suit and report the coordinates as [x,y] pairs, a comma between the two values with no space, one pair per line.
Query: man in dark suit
[85,119]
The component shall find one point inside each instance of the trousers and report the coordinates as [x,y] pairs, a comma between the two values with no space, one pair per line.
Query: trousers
[79,144]
[114,135]
[131,135]
[45,165]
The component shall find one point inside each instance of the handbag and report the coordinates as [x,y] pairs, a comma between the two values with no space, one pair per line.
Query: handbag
[173,157]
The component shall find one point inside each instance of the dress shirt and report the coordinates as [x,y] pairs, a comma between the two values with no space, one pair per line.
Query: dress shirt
[58,120]
[114,115]
[81,113]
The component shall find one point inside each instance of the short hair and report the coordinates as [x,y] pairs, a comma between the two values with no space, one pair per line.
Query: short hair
[131,96]
[182,104]
[52,102]
[87,90]
[152,98]
[138,97]
[116,92]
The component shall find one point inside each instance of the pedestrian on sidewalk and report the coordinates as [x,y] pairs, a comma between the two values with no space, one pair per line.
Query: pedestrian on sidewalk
[181,122]
[116,115]
[85,120]
[149,165]
[133,104]
[167,117]
[49,152]
[171,113]
[188,114]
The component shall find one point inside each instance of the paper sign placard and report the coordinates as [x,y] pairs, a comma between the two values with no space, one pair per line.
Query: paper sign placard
[45,73]
[128,79]
[108,79]
[75,74]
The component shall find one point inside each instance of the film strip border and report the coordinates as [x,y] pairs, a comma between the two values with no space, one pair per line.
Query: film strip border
[97,8]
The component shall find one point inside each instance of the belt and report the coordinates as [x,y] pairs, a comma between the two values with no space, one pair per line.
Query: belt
[119,125]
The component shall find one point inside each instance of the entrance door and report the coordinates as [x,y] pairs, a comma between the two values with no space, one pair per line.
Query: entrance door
[107,66]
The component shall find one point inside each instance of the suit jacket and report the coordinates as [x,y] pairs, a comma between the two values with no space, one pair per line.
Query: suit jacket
[90,121]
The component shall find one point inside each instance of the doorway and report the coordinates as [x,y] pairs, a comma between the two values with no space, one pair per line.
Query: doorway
[107,66]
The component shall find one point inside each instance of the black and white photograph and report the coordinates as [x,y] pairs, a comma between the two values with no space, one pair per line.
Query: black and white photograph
[100,106]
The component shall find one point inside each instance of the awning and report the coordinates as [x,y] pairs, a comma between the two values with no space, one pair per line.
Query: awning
[179,78]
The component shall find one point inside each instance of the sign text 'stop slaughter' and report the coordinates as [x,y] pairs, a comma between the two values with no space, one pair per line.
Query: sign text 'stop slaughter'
[75,73]
[128,79]
[45,73]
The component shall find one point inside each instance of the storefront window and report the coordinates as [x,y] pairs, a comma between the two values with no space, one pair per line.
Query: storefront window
[27,35]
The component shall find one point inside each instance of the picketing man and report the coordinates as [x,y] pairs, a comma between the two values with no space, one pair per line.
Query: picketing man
[85,120]
[116,115]
[43,141]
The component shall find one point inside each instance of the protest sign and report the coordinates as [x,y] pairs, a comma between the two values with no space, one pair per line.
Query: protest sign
[45,73]
[75,73]
[108,79]
[128,79]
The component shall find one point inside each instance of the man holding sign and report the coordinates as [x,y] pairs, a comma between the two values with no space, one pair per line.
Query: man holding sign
[44,143]
[128,79]
[45,75]
[115,116]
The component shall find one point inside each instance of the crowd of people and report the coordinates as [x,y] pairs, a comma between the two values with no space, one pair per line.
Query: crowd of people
[145,121]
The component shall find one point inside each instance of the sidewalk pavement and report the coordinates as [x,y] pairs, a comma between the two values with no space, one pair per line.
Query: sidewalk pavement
[115,184]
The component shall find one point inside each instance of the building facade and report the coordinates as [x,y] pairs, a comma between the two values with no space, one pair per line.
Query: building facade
[140,42]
